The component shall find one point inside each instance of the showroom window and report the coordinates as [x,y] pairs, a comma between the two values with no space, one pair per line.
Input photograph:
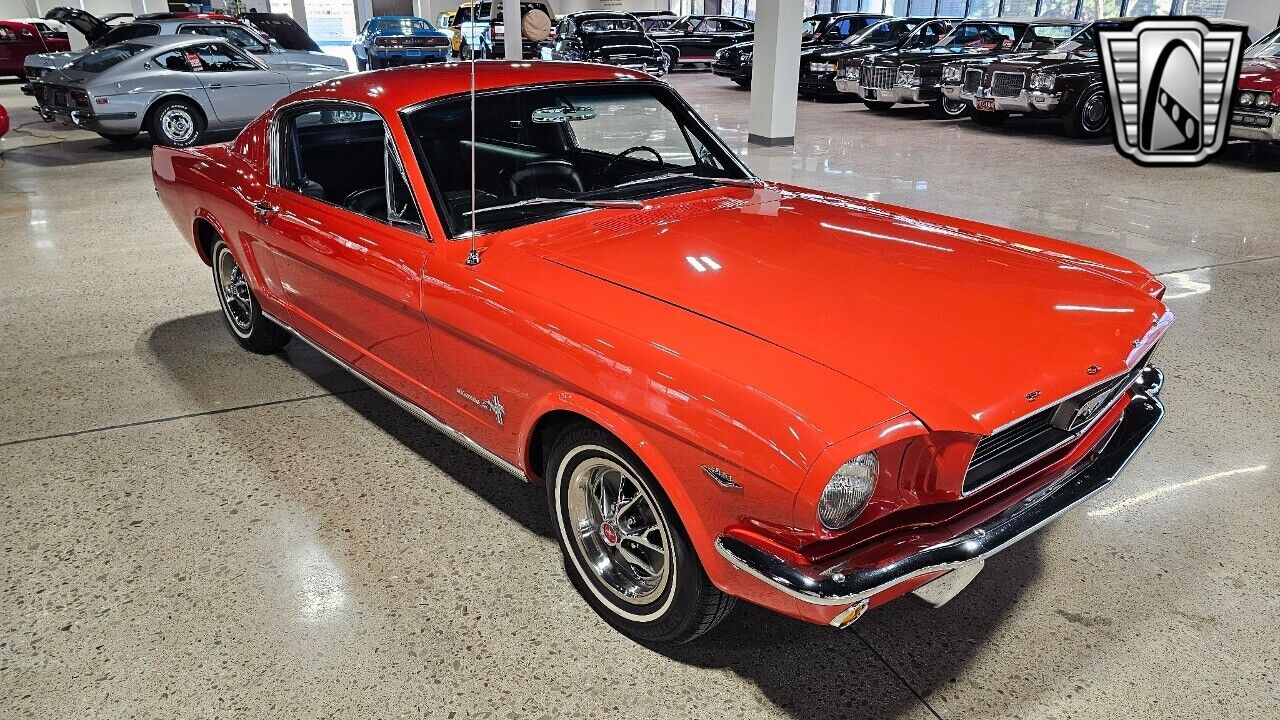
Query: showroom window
[1019,8]
[1067,8]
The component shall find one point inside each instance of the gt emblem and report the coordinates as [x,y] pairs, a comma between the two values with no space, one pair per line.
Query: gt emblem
[1031,396]
[1093,370]
[722,478]
[493,405]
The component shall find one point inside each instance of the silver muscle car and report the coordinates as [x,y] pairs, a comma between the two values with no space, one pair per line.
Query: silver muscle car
[177,88]
[100,35]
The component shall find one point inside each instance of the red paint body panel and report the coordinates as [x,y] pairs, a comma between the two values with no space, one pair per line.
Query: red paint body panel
[26,40]
[4,121]
[832,326]
[1261,74]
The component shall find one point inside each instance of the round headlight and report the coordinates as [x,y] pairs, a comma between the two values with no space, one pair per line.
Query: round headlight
[848,491]
[1246,99]
[1262,100]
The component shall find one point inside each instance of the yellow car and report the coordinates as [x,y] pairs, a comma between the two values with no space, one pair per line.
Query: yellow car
[450,19]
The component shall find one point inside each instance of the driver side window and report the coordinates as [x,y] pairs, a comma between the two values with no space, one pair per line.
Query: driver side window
[217,57]
[344,156]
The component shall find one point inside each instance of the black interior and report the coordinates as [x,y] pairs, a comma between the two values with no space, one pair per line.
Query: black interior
[344,163]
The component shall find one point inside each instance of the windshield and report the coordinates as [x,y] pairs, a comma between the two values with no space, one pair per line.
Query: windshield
[1081,42]
[885,32]
[1047,37]
[285,31]
[237,35]
[982,36]
[815,25]
[404,24]
[618,24]
[571,142]
[1267,47]
[683,24]
[106,58]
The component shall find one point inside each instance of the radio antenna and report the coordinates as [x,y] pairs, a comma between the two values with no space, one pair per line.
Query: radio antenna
[473,255]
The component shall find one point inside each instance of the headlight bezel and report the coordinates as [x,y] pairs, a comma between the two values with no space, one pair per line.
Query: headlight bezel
[952,73]
[1042,81]
[822,67]
[906,75]
[848,491]
[1246,99]
[851,71]
[1262,100]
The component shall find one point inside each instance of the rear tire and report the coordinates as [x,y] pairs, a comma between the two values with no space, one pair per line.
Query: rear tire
[948,109]
[1091,116]
[624,547]
[176,123]
[742,83]
[877,105]
[990,118]
[240,310]
[361,65]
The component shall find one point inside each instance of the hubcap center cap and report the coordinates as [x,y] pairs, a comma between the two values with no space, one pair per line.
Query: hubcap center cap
[609,532]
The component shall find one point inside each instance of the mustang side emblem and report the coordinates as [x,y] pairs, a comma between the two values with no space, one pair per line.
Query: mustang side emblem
[1092,370]
[493,405]
[722,478]
[1031,396]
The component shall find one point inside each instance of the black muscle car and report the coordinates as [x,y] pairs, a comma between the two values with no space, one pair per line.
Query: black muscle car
[915,76]
[696,38]
[818,67]
[820,31]
[605,37]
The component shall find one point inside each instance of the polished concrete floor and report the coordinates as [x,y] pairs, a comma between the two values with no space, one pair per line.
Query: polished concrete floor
[192,531]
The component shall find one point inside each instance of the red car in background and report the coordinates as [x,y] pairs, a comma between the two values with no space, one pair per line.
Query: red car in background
[731,388]
[20,39]
[1256,114]
[4,121]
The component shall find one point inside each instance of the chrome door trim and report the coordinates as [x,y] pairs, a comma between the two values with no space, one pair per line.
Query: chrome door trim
[409,406]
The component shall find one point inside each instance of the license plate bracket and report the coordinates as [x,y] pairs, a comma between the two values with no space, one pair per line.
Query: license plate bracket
[985,104]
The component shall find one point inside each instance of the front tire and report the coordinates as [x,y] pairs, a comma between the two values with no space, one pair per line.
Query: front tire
[240,309]
[948,109]
[1090,118]
[742,83]
[176,123]
[624,548]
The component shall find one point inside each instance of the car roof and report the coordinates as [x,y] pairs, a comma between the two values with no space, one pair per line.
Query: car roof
[1029,20]
[599,13]
[396,17]
[389,91]
[168,41]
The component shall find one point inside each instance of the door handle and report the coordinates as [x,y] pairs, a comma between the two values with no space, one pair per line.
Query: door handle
[215,86]
[264,210]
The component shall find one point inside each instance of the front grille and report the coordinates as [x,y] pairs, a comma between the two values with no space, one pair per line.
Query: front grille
[879,78]
[1006,84]
[1035,436]
[972,80]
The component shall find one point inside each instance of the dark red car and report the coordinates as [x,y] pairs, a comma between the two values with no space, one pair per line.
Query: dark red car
[20,39]
[1256,114]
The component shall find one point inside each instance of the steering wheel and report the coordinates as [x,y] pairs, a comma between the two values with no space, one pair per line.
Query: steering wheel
[608,168]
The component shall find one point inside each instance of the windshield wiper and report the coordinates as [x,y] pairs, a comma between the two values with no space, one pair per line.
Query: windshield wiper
[617,204]
[737,182]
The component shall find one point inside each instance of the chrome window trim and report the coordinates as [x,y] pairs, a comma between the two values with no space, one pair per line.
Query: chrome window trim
[409,406]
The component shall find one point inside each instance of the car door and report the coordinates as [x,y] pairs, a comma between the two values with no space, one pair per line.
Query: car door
[240,89]
[350,268]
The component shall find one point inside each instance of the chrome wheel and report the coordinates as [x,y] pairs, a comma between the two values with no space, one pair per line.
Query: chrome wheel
[620,531]
[1095,114]
[178,124]
[233,293]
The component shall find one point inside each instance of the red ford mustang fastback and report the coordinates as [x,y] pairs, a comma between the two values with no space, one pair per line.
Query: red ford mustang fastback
[731,388]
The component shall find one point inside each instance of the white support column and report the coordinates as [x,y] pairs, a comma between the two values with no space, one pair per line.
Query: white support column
[431,9]
[511,21]
[364,11]
[142,7]
[298,11]
[776,75]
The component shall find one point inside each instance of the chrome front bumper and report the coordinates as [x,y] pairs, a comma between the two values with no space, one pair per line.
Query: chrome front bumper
[1027,101]
[845,582]
[1268,132]
[895,94]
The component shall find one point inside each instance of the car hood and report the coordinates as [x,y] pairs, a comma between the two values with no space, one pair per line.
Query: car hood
[1260,74]
[301,58]
[967,330]
[1036,61]
[932,55]
[52,61]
